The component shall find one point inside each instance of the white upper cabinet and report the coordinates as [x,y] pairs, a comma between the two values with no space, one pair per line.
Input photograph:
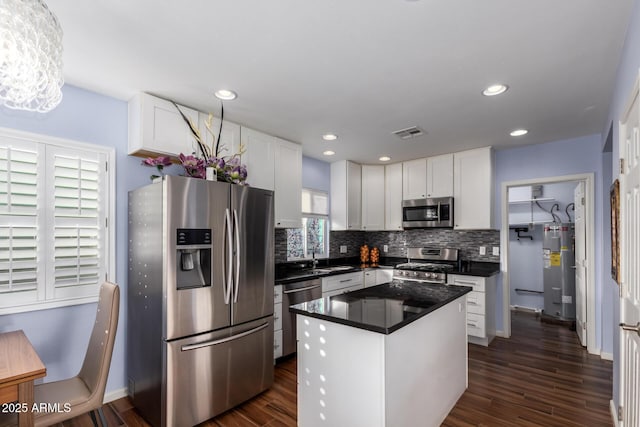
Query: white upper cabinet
[414,179]
[157,128]
[393,197]
[473,189]
[229,140]
[373,197]
[288,184]
[440,176]
[346,190]
[259,158]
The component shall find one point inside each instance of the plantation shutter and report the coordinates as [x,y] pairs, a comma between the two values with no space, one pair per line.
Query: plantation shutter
[20,221]
[54,202]
[77,264]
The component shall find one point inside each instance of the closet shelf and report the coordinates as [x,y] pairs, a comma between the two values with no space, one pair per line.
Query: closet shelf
[542,199]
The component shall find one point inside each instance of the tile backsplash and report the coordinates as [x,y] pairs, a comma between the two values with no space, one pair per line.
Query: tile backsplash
[468,241]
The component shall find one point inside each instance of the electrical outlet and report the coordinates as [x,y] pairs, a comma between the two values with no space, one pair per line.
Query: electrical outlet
[496,250]
[483,250]
[343,249]
[385,248]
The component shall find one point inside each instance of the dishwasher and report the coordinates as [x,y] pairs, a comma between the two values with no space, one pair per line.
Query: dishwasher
[296,293]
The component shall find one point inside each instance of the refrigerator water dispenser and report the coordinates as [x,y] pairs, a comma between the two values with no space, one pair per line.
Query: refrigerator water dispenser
[193,269]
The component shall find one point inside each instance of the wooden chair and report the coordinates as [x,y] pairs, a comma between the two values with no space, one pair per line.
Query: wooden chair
[85,392]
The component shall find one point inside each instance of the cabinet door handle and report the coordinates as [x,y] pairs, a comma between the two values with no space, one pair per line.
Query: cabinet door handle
[464,282]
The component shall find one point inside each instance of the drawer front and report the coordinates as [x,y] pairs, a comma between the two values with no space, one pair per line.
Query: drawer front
[476,303]
[277,294]
[341,281]
[476,325]
[477,283]
[277,344]
[277,316]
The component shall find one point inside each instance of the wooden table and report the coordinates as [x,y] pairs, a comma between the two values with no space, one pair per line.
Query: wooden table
[19,366]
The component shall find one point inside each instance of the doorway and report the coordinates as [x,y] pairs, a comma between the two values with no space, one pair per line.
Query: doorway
[588,297]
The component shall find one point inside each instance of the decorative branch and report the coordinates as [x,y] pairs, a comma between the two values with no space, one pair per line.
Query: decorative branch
[204,151]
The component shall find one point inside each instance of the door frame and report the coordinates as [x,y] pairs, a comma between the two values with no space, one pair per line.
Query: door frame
[588,179]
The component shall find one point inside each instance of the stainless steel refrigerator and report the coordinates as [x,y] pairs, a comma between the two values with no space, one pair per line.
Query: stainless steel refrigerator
[200,298]
[559,278]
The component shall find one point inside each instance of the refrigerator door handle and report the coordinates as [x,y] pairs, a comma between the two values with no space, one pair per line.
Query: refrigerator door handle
[237,230]
[229,270]
[223,340]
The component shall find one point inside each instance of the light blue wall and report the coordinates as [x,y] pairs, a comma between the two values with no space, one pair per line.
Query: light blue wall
[625,79]
[316,174]
[567,157]
[61,335]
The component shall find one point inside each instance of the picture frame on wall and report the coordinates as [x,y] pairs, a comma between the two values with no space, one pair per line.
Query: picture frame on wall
[614,197]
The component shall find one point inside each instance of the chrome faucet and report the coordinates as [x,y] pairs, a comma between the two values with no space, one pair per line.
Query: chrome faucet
[314,263]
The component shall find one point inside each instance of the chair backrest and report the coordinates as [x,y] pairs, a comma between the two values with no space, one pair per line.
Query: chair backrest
[97,361]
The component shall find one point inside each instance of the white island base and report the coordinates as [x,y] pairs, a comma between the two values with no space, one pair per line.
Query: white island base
[352,377]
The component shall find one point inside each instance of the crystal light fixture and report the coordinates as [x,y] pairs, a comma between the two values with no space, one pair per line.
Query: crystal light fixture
[30,56]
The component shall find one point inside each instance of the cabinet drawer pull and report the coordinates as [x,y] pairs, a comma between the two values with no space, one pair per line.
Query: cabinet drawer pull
[464,282]
[471,302]
[346,280]
[473,325]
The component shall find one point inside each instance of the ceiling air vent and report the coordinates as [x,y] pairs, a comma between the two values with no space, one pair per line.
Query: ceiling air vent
[409,133]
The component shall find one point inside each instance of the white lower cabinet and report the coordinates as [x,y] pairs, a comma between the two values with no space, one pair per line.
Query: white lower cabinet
[377,276]
[481,307]
[384,275]
[369,278]
[277,321]
[341,283]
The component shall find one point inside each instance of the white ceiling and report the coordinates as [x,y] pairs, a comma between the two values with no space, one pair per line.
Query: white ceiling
[360,68]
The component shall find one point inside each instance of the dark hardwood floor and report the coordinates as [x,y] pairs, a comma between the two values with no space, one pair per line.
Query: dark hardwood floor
[539,377]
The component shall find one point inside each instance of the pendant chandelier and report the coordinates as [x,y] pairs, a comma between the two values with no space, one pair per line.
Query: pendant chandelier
[30,56]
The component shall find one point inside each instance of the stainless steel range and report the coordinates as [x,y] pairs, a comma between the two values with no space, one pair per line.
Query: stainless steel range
[427,265]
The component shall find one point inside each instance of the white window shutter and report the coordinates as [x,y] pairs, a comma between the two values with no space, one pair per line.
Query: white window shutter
[20,221]
[77,264]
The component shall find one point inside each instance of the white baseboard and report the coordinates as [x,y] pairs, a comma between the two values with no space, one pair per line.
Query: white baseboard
[614,413]
[501,334]
[606,356]
[115,395]
[525,309]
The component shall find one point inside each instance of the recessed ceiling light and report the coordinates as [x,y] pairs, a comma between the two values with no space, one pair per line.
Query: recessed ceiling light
[494,90]
[519,132]
[329,153]
[225,94]
[329,136]
[384,158]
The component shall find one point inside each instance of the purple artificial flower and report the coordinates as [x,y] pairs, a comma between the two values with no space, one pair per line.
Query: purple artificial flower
[193,166]
[158,162]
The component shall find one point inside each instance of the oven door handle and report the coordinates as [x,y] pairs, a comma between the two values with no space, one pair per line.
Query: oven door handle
[293,291]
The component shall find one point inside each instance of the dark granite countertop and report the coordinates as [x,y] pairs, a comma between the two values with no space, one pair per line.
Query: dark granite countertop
[289,275]
[383,308]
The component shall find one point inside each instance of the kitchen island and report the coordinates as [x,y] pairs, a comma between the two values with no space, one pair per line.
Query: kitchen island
[388,355]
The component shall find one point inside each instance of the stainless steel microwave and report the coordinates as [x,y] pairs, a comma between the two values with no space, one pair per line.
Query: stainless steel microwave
[427,213]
